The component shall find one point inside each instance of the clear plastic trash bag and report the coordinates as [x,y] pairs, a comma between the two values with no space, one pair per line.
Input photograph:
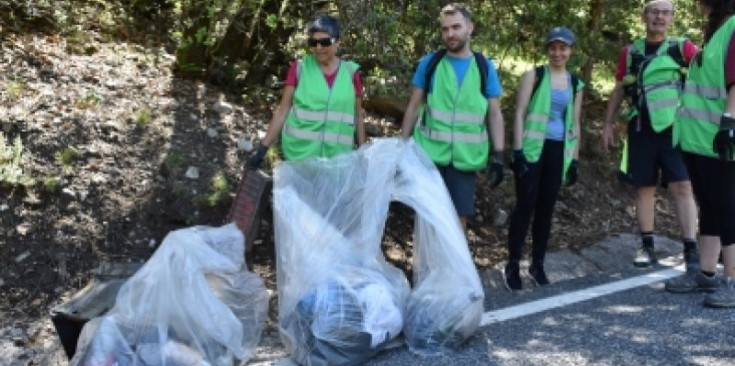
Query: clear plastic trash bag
[329,218]
[446,303]
[192,304]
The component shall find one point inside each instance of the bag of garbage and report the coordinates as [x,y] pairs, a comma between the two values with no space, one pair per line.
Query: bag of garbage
[192,304]
[340,302]
[329,217]
[446,303]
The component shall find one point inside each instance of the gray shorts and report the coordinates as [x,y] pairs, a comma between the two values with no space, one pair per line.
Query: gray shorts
[461,187]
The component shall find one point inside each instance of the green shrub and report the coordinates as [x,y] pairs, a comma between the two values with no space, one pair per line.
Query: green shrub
[66,158]
[14,89]
[12,162]
[89,101]
[51,185]
[218,192]
[173,163]
[144,116]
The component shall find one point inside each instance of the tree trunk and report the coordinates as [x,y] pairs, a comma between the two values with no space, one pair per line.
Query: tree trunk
[265,52]
[593,28]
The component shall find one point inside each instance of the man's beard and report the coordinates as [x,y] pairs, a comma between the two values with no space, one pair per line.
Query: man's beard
[461,43]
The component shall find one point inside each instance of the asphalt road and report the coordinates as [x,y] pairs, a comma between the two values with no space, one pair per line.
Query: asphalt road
[642,325]
[621,317]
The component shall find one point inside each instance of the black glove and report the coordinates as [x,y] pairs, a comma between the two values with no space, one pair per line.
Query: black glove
[495,172]
[255,161]
[572,173]
[519,164]
[724,142]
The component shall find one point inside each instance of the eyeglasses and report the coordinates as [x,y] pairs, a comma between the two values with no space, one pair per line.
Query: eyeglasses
[657,12]
[324,42]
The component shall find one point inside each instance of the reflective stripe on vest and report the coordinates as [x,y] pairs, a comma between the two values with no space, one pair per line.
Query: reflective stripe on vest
[451,127]
[705,97]
[469,138]
[537,118]
[709,92]
[319,136]
[450,117]
[322,116]
[321,121]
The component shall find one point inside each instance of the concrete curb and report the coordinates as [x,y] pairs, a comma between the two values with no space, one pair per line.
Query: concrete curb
[611,255]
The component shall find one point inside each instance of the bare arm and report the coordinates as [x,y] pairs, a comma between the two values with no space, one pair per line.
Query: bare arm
[409,118]
[360,122]
[279,116]
[578,99]
[496,125]
[730,107]
[613,106]
[524,97]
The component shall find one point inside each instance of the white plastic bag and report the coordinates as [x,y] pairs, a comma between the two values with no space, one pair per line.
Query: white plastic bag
[329,217]
[446,302]
[193,304]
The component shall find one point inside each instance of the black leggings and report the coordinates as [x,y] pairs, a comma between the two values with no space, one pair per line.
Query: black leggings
[536,194]
[713,182]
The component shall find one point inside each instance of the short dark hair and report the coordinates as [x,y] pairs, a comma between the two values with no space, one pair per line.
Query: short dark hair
[455,8]
[324,23]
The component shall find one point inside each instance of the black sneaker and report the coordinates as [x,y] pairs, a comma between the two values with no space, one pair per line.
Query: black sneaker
[645,256]
[512,277]
[537,274]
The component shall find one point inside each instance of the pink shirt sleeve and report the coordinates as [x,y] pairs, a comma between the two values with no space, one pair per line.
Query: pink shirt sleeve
[622,64]
[730,63]
[690,50]
[357,82]
[291,75]
[293,81]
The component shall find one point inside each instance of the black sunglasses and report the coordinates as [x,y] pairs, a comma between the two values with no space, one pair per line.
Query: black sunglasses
[324,42]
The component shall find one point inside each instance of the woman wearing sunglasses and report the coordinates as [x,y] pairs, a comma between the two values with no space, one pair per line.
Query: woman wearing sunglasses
[319,113]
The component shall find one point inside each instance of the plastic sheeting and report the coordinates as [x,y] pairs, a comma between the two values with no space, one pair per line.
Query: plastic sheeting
[339,300]
[192,304]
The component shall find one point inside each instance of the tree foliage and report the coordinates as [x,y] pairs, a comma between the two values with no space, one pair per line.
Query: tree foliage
[250,42]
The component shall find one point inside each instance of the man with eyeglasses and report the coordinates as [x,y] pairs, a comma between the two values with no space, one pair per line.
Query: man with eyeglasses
[460,93]
[650,75]
[320,110]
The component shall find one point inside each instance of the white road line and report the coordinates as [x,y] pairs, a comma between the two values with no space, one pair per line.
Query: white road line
[557,301]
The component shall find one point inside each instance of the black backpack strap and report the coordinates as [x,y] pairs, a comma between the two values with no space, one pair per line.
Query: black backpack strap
[675,51]
[482,64]
[539,71]
[431,68]
[575,83]
[438,55]
[636,60]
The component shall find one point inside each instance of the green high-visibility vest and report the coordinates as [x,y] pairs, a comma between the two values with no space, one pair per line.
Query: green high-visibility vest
[658,82]
[321,122]
[451,126]
[705,95]
[537,118]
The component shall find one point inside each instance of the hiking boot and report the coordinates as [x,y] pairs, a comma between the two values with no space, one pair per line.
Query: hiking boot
[537,274]
[692,281]
[724,296]
[512,277]
[645,256]
[691,259]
